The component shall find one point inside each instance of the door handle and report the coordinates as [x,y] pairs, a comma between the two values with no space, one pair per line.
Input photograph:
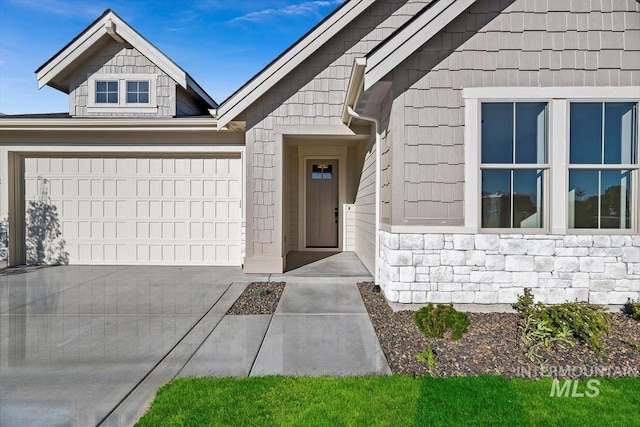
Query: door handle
[335,211]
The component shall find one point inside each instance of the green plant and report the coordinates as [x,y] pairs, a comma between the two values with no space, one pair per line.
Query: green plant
[635,345]
[632,308]
[563,323]
[436,321]
[262,292]
[427,357]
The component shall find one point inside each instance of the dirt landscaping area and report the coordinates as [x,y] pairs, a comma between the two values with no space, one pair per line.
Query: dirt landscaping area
[492,346]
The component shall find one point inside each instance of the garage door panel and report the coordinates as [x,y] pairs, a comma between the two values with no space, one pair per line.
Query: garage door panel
[143,210]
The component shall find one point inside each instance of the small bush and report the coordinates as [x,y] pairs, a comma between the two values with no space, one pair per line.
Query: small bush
[632,309]
[262,292]
[563,323]
[427,357]
[436,321]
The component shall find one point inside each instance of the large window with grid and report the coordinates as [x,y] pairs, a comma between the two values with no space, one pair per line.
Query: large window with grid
[552,160]
[602,161]
[514,164]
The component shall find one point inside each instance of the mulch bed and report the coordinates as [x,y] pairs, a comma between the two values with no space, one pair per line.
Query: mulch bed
[492,346]
[258,298]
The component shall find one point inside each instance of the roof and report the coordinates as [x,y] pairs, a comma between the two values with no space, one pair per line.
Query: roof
[291,58]
[410,37]
[53,72]
[402,43]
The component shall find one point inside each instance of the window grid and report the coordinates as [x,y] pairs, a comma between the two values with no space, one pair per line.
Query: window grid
[540,168]
[626,222]
[106,92]
[137,92]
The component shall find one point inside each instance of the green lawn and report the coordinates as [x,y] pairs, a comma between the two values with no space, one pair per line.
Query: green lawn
[389,401]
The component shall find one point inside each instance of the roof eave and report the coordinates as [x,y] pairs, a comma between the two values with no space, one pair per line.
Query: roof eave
[387,56]
[274,72]
[354,88]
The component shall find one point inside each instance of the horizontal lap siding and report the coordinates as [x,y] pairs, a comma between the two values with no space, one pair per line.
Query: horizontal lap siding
[496,44]
[365,213]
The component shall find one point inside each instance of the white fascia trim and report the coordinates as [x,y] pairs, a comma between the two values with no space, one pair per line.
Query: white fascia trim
[562,92]
[354,87]
[70,150]
[70,124]
[110,22]
[279,69]
[411,38]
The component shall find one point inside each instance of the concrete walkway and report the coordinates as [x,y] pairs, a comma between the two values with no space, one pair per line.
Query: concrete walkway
[91,345]
[319,329]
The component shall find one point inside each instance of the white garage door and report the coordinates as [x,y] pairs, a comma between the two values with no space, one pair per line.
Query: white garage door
[180,211]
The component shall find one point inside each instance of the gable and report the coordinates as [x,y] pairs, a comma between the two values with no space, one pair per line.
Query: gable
[106,30]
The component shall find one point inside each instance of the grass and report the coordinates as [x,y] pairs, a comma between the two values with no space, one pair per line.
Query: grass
[389,401]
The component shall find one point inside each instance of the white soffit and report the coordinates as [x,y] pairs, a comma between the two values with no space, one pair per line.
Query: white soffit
[409,39]
[299,52]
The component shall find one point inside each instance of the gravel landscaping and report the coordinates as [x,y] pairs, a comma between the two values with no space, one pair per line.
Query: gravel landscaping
[492,346]
[258,298]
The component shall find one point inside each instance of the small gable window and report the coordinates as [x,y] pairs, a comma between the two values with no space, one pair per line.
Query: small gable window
[122,94]
[106,92]
[137,92]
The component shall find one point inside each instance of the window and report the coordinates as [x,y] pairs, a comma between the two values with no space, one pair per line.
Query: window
[106,92]
[602,156]
[122,93]
[552,160]
[513,164]
[321,171]
[137,92]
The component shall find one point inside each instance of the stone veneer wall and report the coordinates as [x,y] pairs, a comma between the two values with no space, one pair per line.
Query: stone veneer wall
[494,269]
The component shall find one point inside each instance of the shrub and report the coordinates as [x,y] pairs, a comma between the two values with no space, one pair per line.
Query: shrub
[436,321]
[632,308]
[427,357]
[563,323]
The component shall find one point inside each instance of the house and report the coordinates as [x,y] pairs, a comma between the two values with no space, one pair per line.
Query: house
[463,149]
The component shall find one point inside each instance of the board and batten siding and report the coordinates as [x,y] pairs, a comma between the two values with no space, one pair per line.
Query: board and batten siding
[364,214]
[518,43]
[312,94]
[116,58]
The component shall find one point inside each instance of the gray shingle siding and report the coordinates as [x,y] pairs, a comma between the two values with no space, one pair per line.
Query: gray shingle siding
[115,58]
[498,44]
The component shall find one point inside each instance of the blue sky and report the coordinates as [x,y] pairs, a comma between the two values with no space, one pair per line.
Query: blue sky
[221,43]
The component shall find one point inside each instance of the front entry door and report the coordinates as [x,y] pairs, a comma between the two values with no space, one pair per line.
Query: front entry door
[322,203]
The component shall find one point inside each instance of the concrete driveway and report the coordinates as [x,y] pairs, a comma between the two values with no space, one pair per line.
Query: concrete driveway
[83,346]
[75,341]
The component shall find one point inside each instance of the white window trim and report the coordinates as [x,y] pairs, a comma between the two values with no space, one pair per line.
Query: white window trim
[556,201]
[122,106]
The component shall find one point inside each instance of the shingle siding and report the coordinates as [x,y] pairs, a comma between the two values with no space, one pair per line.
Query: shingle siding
[500,43]
[115,58]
